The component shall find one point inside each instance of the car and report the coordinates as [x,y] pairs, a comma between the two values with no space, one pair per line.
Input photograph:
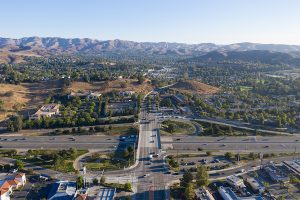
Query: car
[167,172]
[145,175]
[177,139]
[191,163]
[175,173]
[267,146]
[183,164]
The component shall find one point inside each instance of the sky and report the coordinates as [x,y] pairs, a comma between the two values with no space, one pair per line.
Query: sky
[184,21]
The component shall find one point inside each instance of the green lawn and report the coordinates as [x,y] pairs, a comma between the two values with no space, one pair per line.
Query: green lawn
[172,127]
[59,160]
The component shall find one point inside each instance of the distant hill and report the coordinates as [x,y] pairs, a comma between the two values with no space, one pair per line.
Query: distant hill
[192,86]
[262,56]
[12,50]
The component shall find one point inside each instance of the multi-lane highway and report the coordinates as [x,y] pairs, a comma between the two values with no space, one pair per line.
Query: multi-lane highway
[238,144]
[56,142]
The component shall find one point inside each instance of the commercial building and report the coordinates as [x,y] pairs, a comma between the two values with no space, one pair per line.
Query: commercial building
[293,165]
[256,184]
[235,181]
[62,190]
[202,194]
[228,194]
[107,193]
[275,174]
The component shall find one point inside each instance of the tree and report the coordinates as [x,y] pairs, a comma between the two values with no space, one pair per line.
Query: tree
[1,104]
[189,192]
[171,128]
[19,164]
[102,180]
[79,182]
[127,187]
[15,124]
[125,153]
[141,79]
[228,155]
[186,179]
[7,167]
[201,176]
[95,181]
[208,153]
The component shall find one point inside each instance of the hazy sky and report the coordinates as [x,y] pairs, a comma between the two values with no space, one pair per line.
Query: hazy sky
[189,21]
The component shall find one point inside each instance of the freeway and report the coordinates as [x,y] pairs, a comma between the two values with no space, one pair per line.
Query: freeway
[54,142]
[237,144]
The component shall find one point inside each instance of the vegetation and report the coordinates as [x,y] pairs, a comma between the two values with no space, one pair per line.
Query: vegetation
[171,161]
[59,160]
[177,127]
[201,176]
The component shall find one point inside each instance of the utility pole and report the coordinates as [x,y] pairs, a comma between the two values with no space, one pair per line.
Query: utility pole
[134,152]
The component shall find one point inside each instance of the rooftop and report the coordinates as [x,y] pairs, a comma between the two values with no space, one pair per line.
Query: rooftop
[62,190]
[294,165]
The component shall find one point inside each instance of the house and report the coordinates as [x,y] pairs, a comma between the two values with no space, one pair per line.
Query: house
[48,110]
[10,183]
[19,177]
[5,190]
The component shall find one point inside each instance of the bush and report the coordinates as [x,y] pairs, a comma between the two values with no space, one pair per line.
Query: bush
[128,187]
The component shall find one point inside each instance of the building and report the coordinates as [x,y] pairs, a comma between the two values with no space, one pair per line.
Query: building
[275,174]
[256,184]
[235,181]
[89,94]
[227,194]
[126,93]
[62,190]
[293,165]
[5,190]
[48,110]
[106,194]
[11,182]
[203,195]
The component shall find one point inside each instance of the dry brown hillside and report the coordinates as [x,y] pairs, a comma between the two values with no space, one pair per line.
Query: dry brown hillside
[25,97]
[116,85]
[191,86]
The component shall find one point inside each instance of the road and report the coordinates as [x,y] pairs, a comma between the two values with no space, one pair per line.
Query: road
[237,144]
[151,182]
[56,142]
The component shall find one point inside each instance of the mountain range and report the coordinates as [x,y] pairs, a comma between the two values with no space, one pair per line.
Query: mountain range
[13,50]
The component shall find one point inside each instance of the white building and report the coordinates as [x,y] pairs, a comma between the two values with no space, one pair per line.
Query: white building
[235,181]
[47,110]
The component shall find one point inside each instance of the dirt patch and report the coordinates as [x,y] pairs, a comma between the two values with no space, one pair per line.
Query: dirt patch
[191,86]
